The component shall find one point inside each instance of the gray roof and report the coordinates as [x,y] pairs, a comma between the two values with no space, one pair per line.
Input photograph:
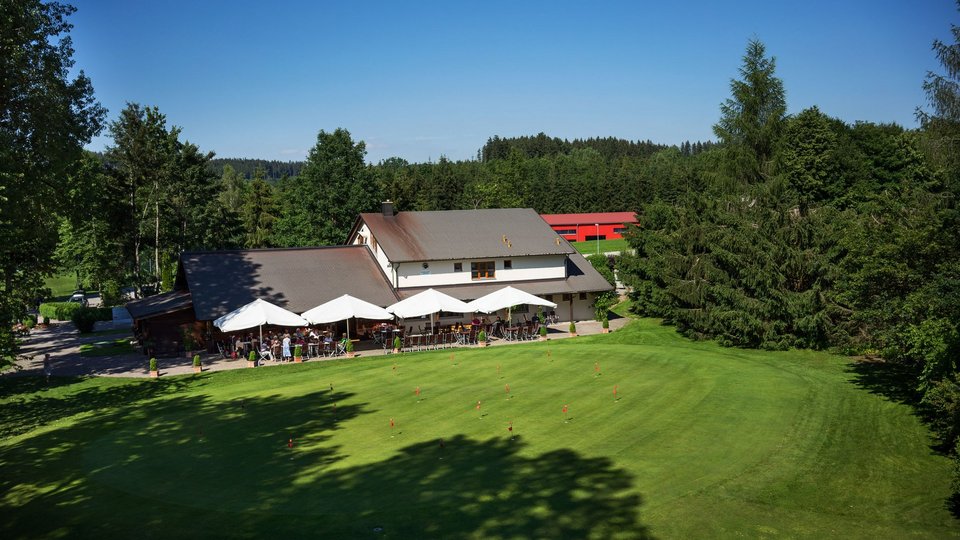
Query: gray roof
[464,234]
[159,304]
[297,279]
[582,277]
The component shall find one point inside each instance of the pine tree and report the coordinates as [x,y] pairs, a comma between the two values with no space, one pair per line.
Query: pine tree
[752,118]
[259,213]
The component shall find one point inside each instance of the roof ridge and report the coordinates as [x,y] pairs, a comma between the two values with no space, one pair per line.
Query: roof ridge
[260,250]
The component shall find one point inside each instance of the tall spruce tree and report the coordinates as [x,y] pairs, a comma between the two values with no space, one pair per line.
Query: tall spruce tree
[751,119]
[260,212]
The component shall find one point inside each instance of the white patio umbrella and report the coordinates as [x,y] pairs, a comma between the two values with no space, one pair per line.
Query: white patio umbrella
[344,308]
[258,313]
[428,302]
[507,297]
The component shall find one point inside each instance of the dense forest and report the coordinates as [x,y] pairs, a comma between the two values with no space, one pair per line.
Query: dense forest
[793,230]
[273,170]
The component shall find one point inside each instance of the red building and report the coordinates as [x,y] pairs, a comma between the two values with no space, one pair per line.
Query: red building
[583,227]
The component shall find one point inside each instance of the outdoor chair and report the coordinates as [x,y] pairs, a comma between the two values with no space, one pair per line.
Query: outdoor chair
[265,355]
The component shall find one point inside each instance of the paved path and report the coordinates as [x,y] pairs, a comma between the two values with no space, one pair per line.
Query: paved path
[62,342]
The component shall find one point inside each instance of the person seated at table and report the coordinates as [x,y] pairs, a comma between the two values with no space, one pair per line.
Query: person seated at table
[475,321]
[265,349]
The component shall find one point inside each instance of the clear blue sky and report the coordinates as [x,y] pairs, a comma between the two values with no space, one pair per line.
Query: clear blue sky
[419,80]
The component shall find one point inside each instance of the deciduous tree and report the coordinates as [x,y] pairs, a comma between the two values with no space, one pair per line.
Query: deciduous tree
[46,116]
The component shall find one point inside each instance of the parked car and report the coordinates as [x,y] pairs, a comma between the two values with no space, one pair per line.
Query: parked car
[79,297]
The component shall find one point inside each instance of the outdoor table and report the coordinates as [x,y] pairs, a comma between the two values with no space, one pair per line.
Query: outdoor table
[312,350]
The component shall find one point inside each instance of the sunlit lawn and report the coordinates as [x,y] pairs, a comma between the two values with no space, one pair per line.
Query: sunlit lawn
[61,285]
[701,442]
[590,247]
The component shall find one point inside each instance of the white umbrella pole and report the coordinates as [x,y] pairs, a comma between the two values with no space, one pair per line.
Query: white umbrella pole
[348,328]
[260,326]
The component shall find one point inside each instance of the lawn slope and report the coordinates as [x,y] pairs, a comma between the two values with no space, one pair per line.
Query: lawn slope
[701,442]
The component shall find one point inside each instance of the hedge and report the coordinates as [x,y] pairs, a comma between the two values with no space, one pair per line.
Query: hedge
[63,311]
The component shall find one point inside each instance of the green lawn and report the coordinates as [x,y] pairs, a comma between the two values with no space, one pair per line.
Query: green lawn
[106,348]
[590,247]
[703,442]
[62,285]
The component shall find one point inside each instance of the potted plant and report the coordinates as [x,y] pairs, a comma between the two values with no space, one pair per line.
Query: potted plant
[46,321]
[397,345]
[154,372]
[573,329]
[197,368]
[349,348]
[605,325]
[298,353]
[543,332]
[482,339]
[252,359]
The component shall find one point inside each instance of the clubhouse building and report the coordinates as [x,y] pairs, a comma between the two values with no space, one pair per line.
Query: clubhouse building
[388,256]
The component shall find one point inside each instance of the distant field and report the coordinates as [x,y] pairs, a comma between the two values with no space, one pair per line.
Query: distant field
[589,248]
[62,285]
[699,442]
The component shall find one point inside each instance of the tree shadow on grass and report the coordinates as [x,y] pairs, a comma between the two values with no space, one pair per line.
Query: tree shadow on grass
[898,382]
[480,489]
[189,466]
[157,462]
[28,407]
[894,381]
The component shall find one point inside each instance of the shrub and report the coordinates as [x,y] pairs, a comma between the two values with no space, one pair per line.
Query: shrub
[29,322]
[297,351]
[46,320]
[573,327]
[397,343]
[349,346]
[153,364]
[61,311]
[84,319]
[196,360]
[543,330]
[606,323]
[482,336]
[252,356]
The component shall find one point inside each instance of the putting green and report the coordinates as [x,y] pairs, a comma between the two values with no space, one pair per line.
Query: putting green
[699,441]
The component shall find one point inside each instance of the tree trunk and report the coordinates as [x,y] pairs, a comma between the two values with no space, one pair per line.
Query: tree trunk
[156,241]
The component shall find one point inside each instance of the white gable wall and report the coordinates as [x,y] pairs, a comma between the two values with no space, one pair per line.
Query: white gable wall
[364,236]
